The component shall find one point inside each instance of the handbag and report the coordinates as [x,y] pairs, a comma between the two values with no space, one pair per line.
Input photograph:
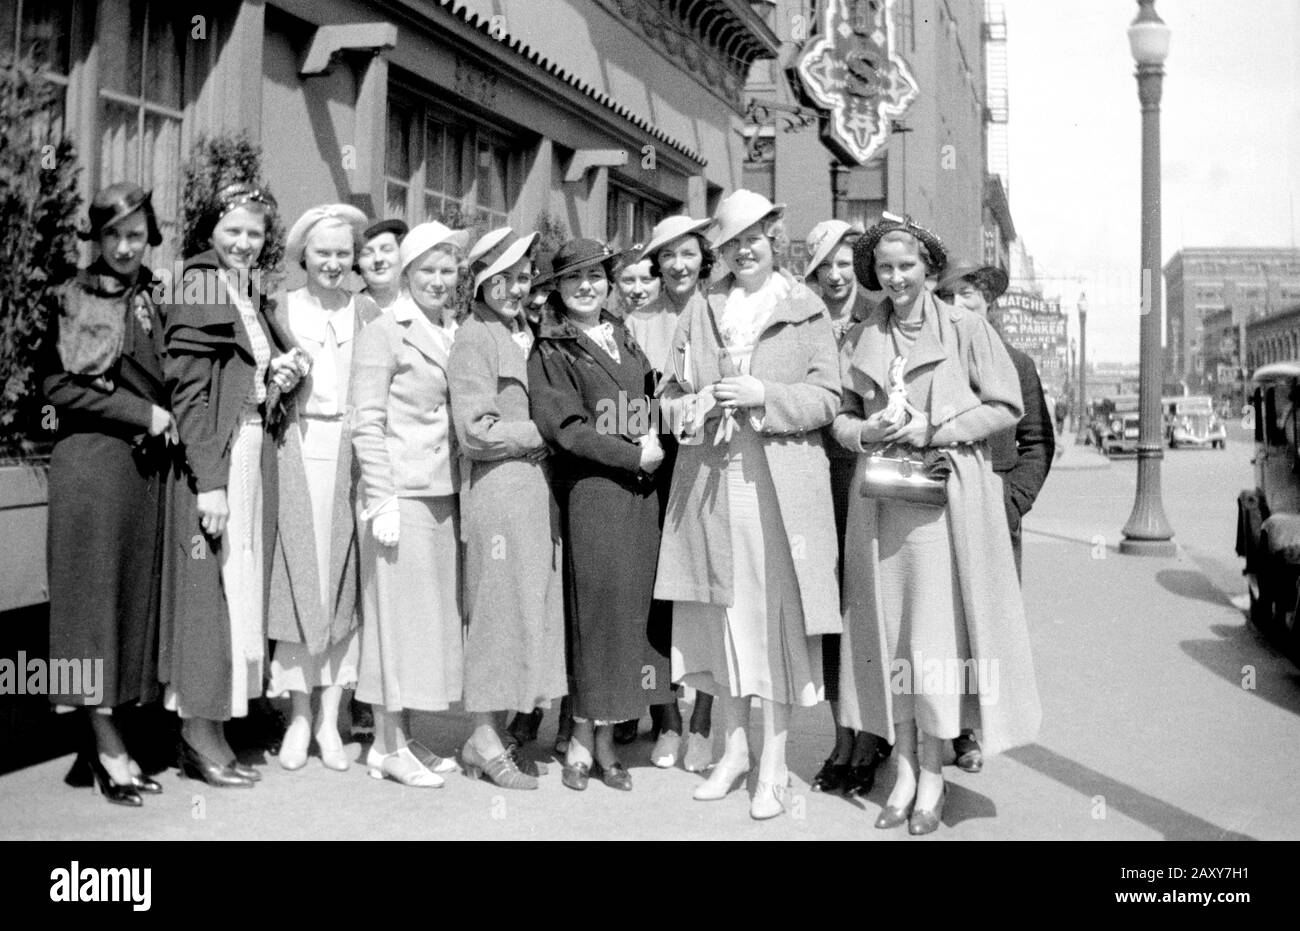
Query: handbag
[900,473]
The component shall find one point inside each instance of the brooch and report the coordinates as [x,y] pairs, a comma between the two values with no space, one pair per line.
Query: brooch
[141,308]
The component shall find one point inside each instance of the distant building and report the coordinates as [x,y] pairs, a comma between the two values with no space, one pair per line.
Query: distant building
[1221,340]
[1275,338]
[1251,283]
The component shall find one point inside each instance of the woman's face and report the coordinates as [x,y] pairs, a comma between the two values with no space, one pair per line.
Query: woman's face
[749,255]
[432,279]
[636,286]
[679,265]
[835,275]
[901,271]
[378,262]
[506,293]
[584,291]
[972,298]
[122,245]
[327,256]
[238,238]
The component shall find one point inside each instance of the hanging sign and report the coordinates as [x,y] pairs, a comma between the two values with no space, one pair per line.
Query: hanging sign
[851,69]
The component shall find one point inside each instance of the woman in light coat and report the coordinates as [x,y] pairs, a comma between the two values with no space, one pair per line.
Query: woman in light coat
[748,550]
[934,629]
[411,643]
[312,611]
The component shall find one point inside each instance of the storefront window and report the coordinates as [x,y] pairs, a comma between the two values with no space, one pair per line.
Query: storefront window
[629,216]
[441,166]
[141,69]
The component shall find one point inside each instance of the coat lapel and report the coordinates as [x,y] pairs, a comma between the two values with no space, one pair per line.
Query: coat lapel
[416,334]
[511,363]
[928,348]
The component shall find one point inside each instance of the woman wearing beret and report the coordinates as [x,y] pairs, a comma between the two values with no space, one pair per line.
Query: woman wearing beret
[104,376]
[312,614]
[680,259]
[748,551]
[377,261]
[851,767]
[591,388]
[411,650]
[514,597]
[228,371]
[929,587]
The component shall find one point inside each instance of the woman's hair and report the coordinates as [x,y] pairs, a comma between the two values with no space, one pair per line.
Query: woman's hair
[707,259]
[902,235]
[326,222]
[215,204]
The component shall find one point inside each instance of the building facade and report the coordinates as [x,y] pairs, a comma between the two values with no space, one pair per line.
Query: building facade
[1036,327]
[1253,284]
[605,115]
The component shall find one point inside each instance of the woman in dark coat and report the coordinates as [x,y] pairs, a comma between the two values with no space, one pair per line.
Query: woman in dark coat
[590,388]
[104,376]
[228,372]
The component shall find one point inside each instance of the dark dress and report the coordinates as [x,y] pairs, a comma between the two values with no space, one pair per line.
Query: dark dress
[609,513]
[105,499]
[210,369]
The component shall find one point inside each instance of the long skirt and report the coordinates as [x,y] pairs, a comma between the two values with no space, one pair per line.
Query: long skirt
[756,647]
[924,623]
[294,668]
[105,556]
[412,651]
[242,577]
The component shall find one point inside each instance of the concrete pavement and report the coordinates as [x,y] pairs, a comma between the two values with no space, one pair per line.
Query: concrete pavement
[1165,717]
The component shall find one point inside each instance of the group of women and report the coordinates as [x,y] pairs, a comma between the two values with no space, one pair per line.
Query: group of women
[439,491]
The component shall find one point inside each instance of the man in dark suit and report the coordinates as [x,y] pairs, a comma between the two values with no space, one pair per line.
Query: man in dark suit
[1023,455]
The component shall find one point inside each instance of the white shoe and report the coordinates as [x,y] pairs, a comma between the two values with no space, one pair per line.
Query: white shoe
[664,754]
[418,778]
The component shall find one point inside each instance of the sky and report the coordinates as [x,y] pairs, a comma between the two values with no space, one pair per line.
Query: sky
[1230,143]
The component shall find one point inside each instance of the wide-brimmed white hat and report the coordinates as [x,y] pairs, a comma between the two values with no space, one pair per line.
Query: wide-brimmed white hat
[296,242]
[670,228]
[737,212]
[825,238]
[487,242]
[421,239]
[506,252]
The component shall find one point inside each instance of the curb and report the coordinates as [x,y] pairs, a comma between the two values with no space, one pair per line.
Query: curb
[1080,459]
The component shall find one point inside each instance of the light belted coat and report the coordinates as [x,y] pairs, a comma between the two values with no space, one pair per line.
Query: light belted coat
[294,612]
[959,373]
[796,360]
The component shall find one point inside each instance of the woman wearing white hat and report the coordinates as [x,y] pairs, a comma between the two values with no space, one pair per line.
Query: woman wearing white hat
[748,547]
[312,608]
[411,652]
[514,596]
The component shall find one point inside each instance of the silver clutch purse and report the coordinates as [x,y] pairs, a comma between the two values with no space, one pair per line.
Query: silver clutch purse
[899,473]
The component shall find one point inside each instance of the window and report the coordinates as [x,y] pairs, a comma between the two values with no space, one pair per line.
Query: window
[758,171]
[41,31]
[629,216]
[440,165]
[140,98]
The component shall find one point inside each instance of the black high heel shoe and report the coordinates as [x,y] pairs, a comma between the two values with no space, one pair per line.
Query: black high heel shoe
[114,792]
[143,783]
[195,765]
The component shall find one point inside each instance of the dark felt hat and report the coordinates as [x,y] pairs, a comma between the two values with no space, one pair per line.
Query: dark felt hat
[395,226]
[577,254]
[864,250]
[117,202]
[988,278]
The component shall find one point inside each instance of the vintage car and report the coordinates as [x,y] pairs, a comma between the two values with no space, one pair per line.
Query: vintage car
[1191,421]
[1118,432]
[1268,516]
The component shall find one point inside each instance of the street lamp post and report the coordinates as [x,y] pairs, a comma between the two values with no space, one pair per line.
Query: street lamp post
[1082,367]
[1147,532]
[839,191]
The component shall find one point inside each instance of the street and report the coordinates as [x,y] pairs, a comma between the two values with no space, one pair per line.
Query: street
[1164,717]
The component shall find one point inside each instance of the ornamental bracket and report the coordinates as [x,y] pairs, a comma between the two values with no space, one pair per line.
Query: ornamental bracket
[327,41]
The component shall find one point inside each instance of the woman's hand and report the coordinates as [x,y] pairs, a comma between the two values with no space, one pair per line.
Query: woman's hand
[385,528]
[652,453]
[875,428]
[914,432]
[686,414]
[214,512]
[161,421]
[740,391]
[288,369]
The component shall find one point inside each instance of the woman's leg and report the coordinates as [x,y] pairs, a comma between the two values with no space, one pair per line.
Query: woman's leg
[109,746]
[486,738]
[390,730]
[297,736]
[904,790]
[735,756]
[582,745]
[208,738]
[771,761]
[930,785]
[702,714]
[327,723]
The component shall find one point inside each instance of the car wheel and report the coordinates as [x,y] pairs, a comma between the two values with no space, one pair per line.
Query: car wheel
[1282,617]
[1261,606]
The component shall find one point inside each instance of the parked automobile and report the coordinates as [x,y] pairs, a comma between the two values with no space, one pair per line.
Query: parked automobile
[1268,516]
[1191,421]
[1119,430]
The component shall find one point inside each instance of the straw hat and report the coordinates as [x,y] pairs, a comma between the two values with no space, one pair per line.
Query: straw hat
[671,228]
[823,239]
[737,212]
[506,251]
[864,250]
[421,239]
[296,242]
[487,242]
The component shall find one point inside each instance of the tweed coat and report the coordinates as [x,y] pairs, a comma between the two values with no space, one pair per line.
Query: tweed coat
[514,593]
[294,612]
[105,484]
[609,511]
[796,361]
[209,369]
[958,371]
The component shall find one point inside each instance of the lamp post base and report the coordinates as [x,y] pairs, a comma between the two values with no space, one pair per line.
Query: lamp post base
[1164,548]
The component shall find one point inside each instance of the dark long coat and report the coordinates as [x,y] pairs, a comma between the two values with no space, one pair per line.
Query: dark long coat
[609,512]
[105,493]
[210,369]
[1022,456]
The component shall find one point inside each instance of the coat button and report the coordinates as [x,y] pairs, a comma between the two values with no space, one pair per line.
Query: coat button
[870,395]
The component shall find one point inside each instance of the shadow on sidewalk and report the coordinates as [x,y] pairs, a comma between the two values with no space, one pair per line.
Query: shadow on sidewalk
[1246,659]
[1192,583]
[1172,822]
